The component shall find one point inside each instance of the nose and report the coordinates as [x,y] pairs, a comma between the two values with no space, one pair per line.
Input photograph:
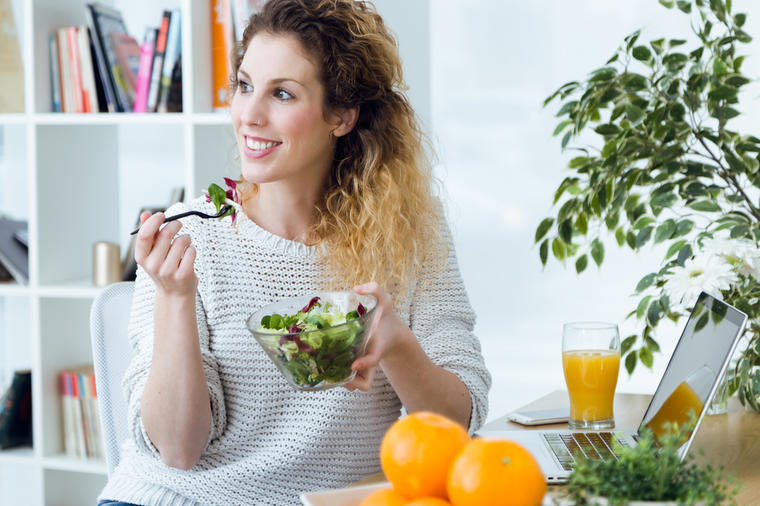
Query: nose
[255,110]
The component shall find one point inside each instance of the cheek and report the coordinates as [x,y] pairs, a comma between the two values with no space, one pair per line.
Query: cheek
[236,109]
[305,126]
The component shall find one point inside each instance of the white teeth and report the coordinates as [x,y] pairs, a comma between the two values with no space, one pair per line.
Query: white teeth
[258,146]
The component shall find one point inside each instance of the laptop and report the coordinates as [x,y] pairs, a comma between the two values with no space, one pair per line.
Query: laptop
[699,361]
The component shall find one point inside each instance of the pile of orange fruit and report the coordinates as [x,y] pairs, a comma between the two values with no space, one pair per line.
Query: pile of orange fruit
[430,460]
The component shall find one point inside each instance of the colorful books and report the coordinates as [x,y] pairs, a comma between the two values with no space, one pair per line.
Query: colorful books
[89,88]
[147,49]
[82,434]
[158,62]
[222,40]
[55,75]
[127,53]
[171,73]
[104,21]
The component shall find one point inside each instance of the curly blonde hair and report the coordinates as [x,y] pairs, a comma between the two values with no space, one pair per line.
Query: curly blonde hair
[379,214]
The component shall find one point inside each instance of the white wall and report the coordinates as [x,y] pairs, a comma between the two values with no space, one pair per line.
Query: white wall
[493,63]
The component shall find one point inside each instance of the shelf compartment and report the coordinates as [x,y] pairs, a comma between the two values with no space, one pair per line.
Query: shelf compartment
[78,195]
[64,462]
[20,480]
[66,487]
[19,455]
[65,343]
[215,155]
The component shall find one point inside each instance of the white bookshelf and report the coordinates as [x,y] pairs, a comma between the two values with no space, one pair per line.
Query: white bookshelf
[82,178]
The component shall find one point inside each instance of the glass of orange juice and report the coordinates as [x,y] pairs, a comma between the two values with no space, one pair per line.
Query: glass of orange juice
[591,361]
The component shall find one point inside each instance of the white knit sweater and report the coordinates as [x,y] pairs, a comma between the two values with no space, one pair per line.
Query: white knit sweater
[269,442]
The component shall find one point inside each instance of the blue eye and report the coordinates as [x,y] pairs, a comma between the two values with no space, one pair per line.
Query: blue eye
[283,95]
[244,87]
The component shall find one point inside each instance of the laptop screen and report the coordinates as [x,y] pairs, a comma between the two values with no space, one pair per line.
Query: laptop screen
[700,357]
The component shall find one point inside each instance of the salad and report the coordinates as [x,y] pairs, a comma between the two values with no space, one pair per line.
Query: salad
[318,343]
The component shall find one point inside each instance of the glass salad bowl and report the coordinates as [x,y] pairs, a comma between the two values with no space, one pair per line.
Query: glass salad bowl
[314,339]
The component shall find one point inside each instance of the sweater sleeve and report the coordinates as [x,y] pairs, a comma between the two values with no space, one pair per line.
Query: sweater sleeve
[140,335]
[443,321]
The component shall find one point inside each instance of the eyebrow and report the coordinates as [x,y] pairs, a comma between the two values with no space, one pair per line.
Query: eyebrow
[276,80]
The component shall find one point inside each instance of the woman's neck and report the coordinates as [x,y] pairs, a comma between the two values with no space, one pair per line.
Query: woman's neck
[286,212]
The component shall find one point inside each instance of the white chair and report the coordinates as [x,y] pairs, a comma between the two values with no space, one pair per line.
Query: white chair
[111,353]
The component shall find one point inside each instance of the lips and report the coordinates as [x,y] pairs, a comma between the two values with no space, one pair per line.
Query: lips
[258,147]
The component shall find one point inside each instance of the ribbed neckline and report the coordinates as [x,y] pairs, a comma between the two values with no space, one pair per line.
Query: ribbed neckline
[250,228]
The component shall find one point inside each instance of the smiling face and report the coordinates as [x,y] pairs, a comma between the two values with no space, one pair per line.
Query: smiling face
[278,115]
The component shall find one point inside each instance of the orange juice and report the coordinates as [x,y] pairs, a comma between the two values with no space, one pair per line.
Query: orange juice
[591,377]
[677,408]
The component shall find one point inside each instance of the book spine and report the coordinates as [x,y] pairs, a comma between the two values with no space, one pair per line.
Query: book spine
[87,416]
[78,417]
[70,443]
[222,34]
[95,411]
[100,59]
[144,71]
[158,62]
[55,75]
[88,76]
[76,72]
[65,65]
[171,58]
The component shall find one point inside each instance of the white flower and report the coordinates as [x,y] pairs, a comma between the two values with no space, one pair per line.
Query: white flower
[711,273]
[741,253]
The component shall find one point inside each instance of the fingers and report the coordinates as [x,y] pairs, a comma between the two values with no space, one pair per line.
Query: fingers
[161,244]
[146,236]
[144,216]
[362,381]
[174,256]
[373,288]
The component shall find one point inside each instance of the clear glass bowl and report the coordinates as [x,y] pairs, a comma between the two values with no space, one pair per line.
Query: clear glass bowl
[326,363]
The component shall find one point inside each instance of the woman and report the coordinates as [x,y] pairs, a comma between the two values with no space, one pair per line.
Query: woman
[336,192]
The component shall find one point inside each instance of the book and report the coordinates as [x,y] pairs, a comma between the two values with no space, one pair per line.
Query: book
[81,416]
[74,67]
[68,416]
[13,255]
[144,69]
[104,21]
[89,88]
[158,62]
[16,412]
[222,39]
[127,53]
[11,68]
[68,102]
[171,73]
[55,75]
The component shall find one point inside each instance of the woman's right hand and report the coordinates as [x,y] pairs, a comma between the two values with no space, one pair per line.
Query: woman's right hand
[167,259]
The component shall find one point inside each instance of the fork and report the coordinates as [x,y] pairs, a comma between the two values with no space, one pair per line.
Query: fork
[221,213]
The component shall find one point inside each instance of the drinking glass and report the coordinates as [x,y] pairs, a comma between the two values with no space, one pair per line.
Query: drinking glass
[591,361]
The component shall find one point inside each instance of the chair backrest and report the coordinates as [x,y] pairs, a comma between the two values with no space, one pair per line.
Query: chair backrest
[111,353]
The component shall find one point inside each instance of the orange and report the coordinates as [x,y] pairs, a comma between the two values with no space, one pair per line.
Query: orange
[495,472]
[429,501]
[384,497]
[416,453]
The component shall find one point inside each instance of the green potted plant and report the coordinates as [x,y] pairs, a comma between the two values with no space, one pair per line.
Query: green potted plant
[650,473]
[661,163]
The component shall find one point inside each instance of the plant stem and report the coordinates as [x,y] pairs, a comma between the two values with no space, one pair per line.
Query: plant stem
[728,177]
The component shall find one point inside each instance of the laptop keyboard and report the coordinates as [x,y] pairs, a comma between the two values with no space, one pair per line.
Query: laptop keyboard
[592,445]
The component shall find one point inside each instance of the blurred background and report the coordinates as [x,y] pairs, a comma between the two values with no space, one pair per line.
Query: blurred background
[492,66]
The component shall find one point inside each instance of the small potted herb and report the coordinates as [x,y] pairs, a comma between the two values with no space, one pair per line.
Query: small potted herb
[651,473]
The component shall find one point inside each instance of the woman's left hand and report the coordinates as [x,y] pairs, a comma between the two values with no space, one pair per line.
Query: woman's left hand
[388,335]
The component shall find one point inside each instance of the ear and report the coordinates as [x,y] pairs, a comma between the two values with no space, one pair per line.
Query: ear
[345,121]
